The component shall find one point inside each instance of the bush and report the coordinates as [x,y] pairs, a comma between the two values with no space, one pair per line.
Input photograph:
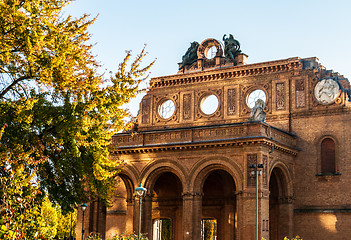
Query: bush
[96,236]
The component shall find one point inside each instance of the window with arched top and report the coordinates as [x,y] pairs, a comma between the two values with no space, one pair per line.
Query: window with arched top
[328,156]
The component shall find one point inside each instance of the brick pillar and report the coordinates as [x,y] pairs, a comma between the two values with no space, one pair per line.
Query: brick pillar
[188,204]
[146,218]
[97,218]
[264,214]
[286,217]
[197,215]
[136,215]
[248,217]
[79,222]
[228,220]
[130,216]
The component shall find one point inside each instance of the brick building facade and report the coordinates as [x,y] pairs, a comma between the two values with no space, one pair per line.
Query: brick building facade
[195,143]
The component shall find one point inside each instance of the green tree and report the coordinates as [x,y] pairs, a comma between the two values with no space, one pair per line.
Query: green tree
[20,196]
[58,113]
[66,224]
[49,219]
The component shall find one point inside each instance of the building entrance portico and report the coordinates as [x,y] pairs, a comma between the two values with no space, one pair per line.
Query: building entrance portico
[202,188]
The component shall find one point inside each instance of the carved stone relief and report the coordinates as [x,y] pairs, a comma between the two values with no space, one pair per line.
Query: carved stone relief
[187,106]
[251,159]
[280,94]
[300,93]
[264,170]
[326,91]
[145,119]
[231,95]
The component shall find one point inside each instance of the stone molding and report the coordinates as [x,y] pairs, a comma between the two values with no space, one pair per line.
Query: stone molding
[230,72]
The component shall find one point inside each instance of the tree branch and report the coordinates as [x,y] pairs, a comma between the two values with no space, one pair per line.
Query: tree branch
[9,87]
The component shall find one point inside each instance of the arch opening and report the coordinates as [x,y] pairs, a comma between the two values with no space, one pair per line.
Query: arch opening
[279,207]
[218,206]
[167,207]
[328,156]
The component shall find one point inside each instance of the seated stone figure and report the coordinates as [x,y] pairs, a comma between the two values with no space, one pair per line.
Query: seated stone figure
[257,112]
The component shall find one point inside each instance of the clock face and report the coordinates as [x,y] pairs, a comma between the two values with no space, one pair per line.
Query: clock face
[209,104]
[326,91]
[254,96]
[211,52]
[166,109]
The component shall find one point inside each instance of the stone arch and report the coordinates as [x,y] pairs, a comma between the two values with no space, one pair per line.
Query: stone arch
[280,201]
[285,175]
[203,168]
[208,43]
[129,176]
[217,203]
[165,182]
[152,171]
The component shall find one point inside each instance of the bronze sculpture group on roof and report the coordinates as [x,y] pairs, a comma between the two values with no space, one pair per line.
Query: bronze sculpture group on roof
[231,50]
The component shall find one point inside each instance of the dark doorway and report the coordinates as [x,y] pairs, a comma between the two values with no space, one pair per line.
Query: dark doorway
[167,207]
[279,210]
[219,204]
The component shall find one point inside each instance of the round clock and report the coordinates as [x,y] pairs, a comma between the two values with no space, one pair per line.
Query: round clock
[326,91]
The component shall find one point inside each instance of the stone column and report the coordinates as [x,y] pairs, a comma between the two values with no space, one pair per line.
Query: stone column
[264,214]
[286,209]
[228,220]
[136,214]
[188,204]
[197,215]
[146,226]
[248,216]
[130,216]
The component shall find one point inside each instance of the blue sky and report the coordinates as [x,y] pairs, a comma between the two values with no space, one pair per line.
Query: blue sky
[267,30]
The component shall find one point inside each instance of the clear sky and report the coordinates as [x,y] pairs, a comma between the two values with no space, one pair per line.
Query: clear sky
[266,29]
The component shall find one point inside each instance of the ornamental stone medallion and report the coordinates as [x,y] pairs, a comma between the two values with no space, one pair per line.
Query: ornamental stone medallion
[326,91]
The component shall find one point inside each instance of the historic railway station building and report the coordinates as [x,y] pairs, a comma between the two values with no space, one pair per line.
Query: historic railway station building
[201,132]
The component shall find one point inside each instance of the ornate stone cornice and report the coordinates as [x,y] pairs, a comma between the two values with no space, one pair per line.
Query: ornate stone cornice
[258,140]
[229,72]
[238,135]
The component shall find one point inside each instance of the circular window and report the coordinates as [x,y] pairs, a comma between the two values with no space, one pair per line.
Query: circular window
[254,96]
[166,109]
[209,104]
[211,52]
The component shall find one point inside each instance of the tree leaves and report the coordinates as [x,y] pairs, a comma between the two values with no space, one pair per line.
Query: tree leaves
[59,113]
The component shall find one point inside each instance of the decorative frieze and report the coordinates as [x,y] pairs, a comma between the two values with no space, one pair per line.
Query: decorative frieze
[217,133]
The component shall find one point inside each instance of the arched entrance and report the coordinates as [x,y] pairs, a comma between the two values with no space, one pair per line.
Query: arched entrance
[167,207]
[280,207]
[218,206]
